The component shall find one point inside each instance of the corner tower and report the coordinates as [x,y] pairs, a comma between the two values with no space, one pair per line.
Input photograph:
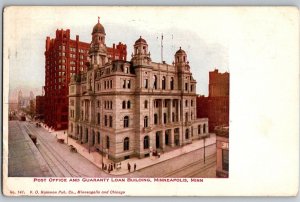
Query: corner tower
[98,49]
[141,56]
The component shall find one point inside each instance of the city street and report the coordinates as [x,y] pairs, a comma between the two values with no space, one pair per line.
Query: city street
[61,162]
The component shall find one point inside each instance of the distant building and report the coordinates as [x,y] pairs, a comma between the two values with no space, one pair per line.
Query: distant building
[216,105]
[222,134]
[65,58]
[131,108]
[23,102]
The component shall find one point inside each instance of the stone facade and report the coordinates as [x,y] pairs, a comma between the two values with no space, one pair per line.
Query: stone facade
[127,109]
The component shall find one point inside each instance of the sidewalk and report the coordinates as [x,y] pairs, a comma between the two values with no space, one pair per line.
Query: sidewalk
[96,158]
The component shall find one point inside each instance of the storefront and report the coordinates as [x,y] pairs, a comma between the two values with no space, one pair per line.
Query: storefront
[222,152]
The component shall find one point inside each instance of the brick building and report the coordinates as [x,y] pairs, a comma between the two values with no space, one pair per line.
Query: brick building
[64,58]
[40,106]
[131,108]
[216,105]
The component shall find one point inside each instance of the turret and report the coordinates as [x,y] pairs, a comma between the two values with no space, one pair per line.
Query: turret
[141,55]
[98,50]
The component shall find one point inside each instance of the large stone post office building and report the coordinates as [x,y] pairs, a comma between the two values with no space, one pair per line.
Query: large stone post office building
[130,108]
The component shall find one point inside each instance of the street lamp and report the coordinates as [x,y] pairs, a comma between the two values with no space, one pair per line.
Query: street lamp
[204,149]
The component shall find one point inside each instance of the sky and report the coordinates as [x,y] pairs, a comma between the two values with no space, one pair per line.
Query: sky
[201,34]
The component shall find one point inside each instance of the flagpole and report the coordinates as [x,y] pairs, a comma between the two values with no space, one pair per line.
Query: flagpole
[162,37]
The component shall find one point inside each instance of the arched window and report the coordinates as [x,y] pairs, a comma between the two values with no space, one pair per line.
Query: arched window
[192,103]
[155,119]
[98,134]
[186,103]
[165,118]
[128,104]
[146,142]
[186,116]
[126,122]
[204,128]
[128,84]
[145,83]
[105,120]
[98,118]
[126,144]
[173,117]
[199,129]
[107,142]
[187,133]
[146,104]
[110,121]
[172,83]
[124,104]
[145,121]
[110,104]
[154,81]
[163,83]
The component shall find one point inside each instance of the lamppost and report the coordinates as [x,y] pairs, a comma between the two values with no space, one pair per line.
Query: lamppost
[102,153]
[204,148]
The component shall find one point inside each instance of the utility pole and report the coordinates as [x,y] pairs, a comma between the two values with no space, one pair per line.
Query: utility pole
[204,149]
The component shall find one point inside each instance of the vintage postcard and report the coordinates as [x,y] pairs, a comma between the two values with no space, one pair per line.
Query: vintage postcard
[151,101]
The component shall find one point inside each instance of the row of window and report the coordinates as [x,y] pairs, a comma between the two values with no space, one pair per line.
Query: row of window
[72,113]
[108,84]
[126,105]
[108,120]
[108,105]
[163,83]
[126,84]
[187,87]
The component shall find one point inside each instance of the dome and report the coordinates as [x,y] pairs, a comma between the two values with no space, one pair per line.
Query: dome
[140,40]
[180,51]
[98,28]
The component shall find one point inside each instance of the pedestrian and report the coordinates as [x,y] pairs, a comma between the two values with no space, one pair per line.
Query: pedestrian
[134,167]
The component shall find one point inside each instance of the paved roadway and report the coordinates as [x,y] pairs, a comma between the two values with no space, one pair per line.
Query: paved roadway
[63,163]
[24,159]
[186,165]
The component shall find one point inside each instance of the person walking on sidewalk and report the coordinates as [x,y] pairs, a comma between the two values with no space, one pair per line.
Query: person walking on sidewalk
[134,167]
